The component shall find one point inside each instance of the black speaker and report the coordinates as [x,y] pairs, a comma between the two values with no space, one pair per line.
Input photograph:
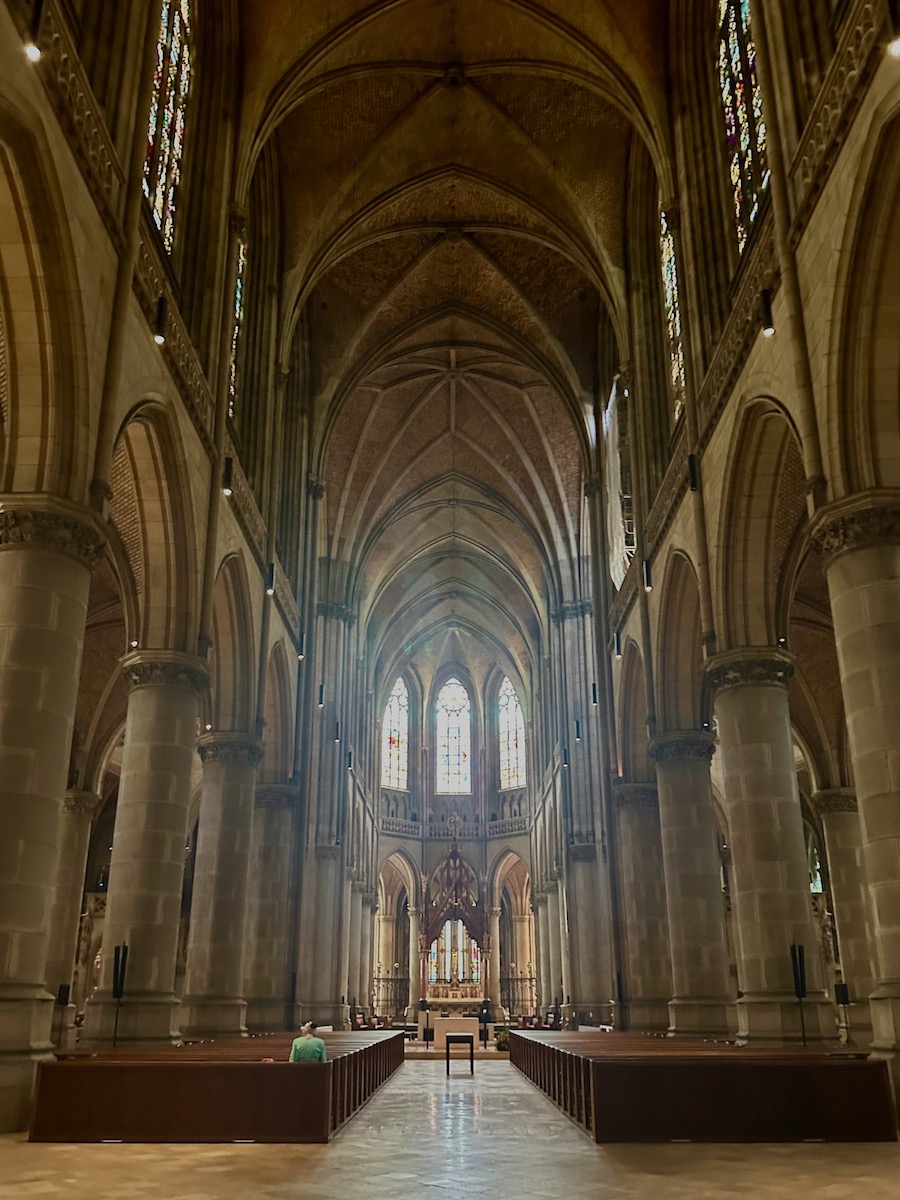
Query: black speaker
[841,994]
[62,995]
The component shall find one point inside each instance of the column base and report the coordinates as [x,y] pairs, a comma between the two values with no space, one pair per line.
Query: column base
[714,1016]
[884,1004]
[151,1017]
[775,1017]
[220,1016]
[592,1012]
[25,1019]
[268,1013]
[337,1015]
[649,1014]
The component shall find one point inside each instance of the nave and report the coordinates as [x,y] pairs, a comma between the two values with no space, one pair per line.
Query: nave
[491,1135]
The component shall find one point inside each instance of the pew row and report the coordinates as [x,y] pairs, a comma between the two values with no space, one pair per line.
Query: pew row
[667,1090]
[211,1092]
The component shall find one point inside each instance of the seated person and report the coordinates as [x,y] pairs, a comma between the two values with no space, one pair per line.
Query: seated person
[307,1047]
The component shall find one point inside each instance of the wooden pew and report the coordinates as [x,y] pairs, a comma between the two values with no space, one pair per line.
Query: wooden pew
[211,1091]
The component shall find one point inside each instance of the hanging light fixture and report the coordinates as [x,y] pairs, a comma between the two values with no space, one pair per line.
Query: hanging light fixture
[270,579]
[228,476]
[321,695]
[617,644]
[33,51]
[765,310]
[893,46]
[301,647]
[162,316]
[648,577]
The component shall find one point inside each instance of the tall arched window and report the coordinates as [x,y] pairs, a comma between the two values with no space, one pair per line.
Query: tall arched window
[454,739]
[236,327]
[745,128]
[673,312]
[165,128]
[512,738]
[395,738]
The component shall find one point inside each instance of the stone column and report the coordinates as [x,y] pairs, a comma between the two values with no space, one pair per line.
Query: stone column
[386,957]
[415,982]
[354,941]
[494,961]
[838,812]
[322,918]
[543,920]
[769,877]
[79,809]
[213,990]
[143,907]
[551,886]
[366,972]
[266,986]
[859,540]
[703,996]
[648,970]
[46,556]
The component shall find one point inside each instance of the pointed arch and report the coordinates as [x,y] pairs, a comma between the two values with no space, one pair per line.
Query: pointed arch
[679,654]
[233,656]
[636,766]
[278,755]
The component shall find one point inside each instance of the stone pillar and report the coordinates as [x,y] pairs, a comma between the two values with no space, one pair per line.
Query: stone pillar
[770,894]
[703,996]
[143,907]
[46,558]
[268,991]
[493,993]
[590,964]
[838,812]
[415,982]
[551,886]
[648,970]
[79,810]
[321,976]
[366,972]
[859,540]
[213,991]
[543,919]
[386,957]
[354,941]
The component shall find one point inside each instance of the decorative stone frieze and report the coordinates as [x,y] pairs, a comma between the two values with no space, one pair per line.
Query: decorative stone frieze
[82,804]
[834,800]
[572,611]
[230,748]
[856,524]
[749,668]
[635,795]
[166,669]
[79,537]
[277,796]
[683,743]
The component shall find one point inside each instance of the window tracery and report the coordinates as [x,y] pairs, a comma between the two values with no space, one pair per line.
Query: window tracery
[236,327]
[395,738]
[512,738]
[745,127]
[454,738]
[166,123]
[673,312]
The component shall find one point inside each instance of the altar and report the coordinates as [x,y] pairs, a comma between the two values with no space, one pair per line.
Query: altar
[444,1025]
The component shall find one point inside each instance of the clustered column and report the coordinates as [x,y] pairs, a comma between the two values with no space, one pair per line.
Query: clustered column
[649,972]
[494,980]
[703,995]
[213,1000]
[769,877]
[147,866]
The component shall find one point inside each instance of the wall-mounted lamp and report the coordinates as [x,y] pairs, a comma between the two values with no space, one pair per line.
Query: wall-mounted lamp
[228,476]
[648,577]
[594,694]
[782,642]
[208,726]
[349,760]
[321,695]
[270,579]
[565,758]
[577,730]
[693,472]
[301,647]
[134,643]
[893,46]
[32,50]
[337,732]
[162,316]
[765,312]
[617,644]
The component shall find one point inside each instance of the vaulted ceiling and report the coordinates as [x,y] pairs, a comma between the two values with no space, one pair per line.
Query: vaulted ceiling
[453,183]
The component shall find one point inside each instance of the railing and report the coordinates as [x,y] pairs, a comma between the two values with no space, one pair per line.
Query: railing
[391,996]
[518,994]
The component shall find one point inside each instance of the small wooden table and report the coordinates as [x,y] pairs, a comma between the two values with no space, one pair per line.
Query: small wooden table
[462,1039]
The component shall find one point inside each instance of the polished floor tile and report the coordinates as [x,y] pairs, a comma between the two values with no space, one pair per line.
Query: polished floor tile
[424,1135]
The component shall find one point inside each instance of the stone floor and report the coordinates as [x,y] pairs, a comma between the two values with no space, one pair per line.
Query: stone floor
[423,1135]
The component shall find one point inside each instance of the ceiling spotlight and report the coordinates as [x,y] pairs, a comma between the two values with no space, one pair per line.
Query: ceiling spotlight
[134,643]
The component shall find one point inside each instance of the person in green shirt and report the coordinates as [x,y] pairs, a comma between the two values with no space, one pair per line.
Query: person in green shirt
[307,1047]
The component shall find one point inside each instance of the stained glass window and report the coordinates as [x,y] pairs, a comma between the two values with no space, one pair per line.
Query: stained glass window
[165,127]
[454,738]
[237,321]
[395,738]
[673,312]
[512,738]
[433,963]
[745,127]
[476,963]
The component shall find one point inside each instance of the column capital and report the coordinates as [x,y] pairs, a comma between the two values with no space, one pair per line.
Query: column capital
[45,524]
[277,796]
[856,523]
[635,795]
[230,748]
[315,488]
[327,851]
[571,611]
[82,804]
[165,668]
[750,667]
[332,611]
[834,800]
[582,847]
[494,913]
[682,743]
[593,485]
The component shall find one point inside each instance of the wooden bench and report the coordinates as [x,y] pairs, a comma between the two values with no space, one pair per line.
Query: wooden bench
[629,1088]
[215,1091]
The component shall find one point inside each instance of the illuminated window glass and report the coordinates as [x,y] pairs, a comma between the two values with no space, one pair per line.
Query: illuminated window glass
[476,963]
[237,323]
[512,738]
[454,739]
[395,738]
[433,963]
[745,127]
[165,127]
[673,312]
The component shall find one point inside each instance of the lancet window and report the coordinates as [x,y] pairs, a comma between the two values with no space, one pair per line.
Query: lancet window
[454,739]
[166,124]
[512,738]
[673,312]
[745,127]
[395,738]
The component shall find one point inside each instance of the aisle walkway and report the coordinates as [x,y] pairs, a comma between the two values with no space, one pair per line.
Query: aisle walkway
[426,1136]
